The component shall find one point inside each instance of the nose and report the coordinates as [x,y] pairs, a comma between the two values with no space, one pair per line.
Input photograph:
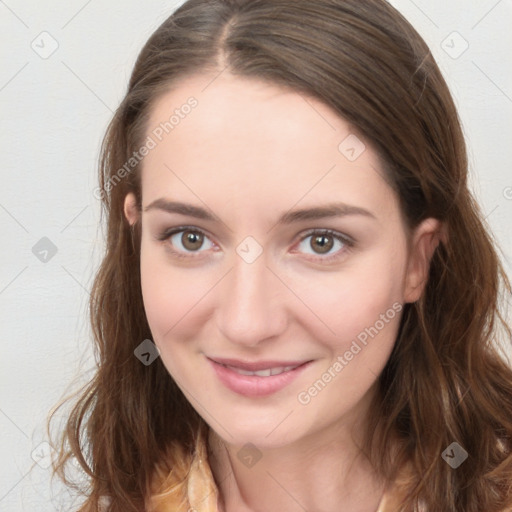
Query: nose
[251,303]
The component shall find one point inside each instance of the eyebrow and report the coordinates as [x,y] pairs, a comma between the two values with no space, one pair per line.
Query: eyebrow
[289,217]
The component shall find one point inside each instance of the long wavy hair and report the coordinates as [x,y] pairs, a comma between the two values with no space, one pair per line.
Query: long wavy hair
[447,380]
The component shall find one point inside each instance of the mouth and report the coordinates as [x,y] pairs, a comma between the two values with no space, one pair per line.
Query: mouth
[256,366]
[268,372]
[259,378]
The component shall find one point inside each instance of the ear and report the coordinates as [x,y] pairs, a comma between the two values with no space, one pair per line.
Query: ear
[130,208]
[425,239]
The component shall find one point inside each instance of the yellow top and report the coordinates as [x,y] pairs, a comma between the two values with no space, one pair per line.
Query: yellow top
[187,484]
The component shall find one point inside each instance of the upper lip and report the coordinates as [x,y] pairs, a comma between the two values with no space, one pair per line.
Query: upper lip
[256,365]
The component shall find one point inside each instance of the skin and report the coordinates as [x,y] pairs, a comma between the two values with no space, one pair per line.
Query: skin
[249,152]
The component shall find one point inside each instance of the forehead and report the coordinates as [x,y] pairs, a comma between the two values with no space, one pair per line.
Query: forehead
[254,141]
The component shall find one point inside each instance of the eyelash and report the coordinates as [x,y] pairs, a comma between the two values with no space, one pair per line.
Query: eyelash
[346,241]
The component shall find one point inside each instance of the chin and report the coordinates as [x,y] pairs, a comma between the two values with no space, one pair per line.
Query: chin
[263,437]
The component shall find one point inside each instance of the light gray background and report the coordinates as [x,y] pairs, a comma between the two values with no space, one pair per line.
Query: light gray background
[54,113]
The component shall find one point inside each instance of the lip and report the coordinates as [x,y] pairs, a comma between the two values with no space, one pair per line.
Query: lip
[254,385]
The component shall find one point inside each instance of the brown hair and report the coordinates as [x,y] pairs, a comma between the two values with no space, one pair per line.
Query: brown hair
[446,379]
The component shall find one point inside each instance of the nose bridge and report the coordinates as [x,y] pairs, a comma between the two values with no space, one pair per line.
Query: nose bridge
[248,308]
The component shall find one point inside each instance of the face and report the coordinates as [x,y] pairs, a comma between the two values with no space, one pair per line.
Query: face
[271,243]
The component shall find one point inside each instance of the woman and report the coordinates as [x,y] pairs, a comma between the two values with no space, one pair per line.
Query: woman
[298,304]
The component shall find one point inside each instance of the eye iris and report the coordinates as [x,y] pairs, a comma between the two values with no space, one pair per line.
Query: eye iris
[325,243]
[192,240]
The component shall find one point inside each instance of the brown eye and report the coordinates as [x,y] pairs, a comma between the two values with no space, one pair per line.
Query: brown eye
[325,245]
[192,240]
[186,242]
[322,244]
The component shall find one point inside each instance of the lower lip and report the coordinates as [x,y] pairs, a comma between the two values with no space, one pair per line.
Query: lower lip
[254,385]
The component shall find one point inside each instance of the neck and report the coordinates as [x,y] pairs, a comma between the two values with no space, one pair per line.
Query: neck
[325,472]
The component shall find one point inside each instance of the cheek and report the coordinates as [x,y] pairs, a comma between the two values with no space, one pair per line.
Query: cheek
[169,296]
[349,302]
[364,311]
[160,283]
[157,296]
[173,295]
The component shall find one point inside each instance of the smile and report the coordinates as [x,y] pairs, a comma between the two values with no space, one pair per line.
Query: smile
[262,373]
[256,379]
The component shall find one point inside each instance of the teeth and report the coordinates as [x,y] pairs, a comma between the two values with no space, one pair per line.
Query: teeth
[263,373]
